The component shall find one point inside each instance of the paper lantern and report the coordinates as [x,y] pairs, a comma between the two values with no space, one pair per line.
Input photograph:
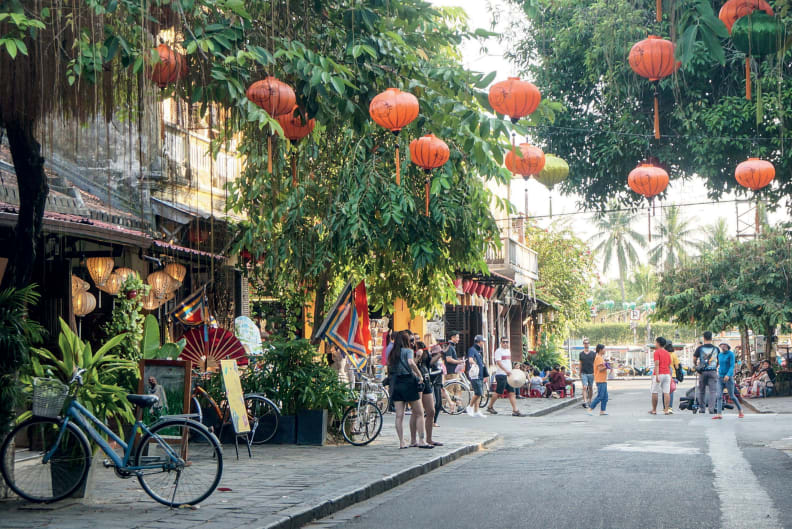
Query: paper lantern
[160,284]
[394,110]
[467,286]
[648,180]
[554,171]
[754,173]
[150,302]
[295,128]
[428,152]
[525,160]
[83,303]
[757,35]
[100,269]
[514,98]
[273,95]
[113,284]
[733,10]
[78,285]
[171,67]
[124,273]
[177,271]
[654,59]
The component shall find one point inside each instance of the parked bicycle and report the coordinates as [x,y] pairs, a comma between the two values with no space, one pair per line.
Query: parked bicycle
[177,461]
[458,392]
[362,422]
[263,414]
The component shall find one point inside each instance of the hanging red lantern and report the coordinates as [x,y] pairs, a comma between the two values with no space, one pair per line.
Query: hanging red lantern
[458,282]
[171,67]
[648,180]
[734,10]
[274,96]
[467,285]
[429,152]
[394,110]
[754,173]
[653,58]
[514,98]
[295,128]
[526,160]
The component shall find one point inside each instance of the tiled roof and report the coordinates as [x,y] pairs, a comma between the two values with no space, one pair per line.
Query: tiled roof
[181,249]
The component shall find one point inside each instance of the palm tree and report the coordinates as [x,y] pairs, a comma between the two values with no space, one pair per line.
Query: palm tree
[674,237]
[717,236]
[616,239]
[644,283]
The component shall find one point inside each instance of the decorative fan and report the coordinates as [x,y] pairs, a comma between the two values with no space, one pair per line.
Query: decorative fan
[221,345]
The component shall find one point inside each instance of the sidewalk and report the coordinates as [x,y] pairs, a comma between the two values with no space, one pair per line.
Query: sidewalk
[770,404]
[281,487]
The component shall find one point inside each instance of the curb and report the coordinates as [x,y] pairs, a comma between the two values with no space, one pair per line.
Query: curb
[555,407]
[298,516]
[750,406]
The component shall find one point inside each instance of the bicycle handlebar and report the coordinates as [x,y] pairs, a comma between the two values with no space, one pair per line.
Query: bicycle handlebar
[77,377]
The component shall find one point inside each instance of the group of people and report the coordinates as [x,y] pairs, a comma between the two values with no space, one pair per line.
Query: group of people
[594,370]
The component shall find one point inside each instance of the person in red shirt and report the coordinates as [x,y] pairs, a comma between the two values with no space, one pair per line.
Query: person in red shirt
[556,381]
[661,377]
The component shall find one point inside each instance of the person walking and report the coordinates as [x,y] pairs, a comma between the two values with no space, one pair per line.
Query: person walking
[405,383]
[661,378]
[705,361]
[726,380]
[600,368]
[503,368]
[586,358]
[476,375]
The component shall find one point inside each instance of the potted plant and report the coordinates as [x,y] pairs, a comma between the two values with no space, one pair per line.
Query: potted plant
[324,396]
[105,400]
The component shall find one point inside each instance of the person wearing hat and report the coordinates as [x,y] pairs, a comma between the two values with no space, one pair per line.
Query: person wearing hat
[503,369]
[476,375]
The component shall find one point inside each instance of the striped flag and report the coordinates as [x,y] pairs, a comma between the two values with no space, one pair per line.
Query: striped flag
[347,325]
[191,311]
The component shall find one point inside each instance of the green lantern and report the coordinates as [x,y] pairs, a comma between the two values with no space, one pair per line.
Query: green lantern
[757,35]
[555,171]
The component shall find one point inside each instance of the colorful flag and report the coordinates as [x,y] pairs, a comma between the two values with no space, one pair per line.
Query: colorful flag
[191,310]
[347,325]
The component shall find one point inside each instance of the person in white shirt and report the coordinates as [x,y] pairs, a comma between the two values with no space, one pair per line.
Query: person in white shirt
[503,368]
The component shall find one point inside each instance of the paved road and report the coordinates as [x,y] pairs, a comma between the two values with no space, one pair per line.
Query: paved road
[626,470]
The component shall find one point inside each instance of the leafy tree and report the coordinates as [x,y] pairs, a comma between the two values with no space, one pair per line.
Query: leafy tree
[576,53]
[616,239]
[717,236]
[674,240]
[642,285]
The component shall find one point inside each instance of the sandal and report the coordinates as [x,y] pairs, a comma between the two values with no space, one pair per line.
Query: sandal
[652,413]
[427,447]
[403,447]
[435,443]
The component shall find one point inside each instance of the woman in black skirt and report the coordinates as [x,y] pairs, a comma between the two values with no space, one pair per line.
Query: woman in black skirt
[404,378]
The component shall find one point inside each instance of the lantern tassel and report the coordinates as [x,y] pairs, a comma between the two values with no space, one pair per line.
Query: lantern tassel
[551,206]
[656,118]
[398,167]
[659,9]
[649,219]
[269,154]
[426,189]
[747,78]
[759,101]
[294,168]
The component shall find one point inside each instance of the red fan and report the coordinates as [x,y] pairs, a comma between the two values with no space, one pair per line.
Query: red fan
[222,345]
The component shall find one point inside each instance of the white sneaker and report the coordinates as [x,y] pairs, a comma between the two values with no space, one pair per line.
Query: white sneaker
[469,411]
[479,414]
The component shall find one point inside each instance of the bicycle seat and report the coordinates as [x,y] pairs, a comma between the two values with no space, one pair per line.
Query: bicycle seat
[144,401]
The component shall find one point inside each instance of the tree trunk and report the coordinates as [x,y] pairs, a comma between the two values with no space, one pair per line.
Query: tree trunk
[768,352]
[621,284]
[746,351]
[33,190]
[322,285]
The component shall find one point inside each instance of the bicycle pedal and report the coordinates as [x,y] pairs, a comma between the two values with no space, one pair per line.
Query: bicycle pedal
[107,463]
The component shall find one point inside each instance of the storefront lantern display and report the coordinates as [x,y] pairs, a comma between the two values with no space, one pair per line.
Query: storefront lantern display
[428,152]
[124,273]
[112,285]
[394,110]
[653,58]
[161,284]
[83,303]
[177,271]
[100,269]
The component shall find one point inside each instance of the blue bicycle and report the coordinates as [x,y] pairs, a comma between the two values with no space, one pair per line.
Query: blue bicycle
[46,458]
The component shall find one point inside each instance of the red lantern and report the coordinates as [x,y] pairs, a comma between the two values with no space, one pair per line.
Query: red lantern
[653,58]
[295,128]
[514,98]
[429,152]
[754,173]
[466,286]
[480,288]
[490,292]
[274,96]
[171,67]
[458,282]
[648,180]
[734,10]
[198,236]
[394,110]
[527,160]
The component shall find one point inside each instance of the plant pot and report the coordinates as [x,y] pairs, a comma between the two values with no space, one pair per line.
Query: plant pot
[286,432]
[311,427]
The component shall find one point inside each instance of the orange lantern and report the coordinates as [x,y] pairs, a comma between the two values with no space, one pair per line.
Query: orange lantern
[394,110]
[274,96]
[525,161]
[171,67]
[653,58]
[295,128]
[754,173]
[514,98]
[733,10]
[429,152]
[648,180]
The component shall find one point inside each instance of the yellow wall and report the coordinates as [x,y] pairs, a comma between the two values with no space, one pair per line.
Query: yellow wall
[403,320]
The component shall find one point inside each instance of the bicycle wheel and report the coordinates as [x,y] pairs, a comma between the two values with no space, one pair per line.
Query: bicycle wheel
[485,397]
[23,466]
[195,409]
[383,399]
[361,424]
[263,416]
[192,478]
[456,397]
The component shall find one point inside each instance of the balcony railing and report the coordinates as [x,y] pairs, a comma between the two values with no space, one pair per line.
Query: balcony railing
[514,260]
[226,168]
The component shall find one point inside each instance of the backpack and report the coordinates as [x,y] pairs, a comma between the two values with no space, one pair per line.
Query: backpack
[680,372]
[703,364]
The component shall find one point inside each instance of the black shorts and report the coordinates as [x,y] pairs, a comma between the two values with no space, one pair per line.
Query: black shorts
[502,384]
[405,389]
[428,387]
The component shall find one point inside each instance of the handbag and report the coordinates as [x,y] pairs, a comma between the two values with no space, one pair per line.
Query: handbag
[473,373]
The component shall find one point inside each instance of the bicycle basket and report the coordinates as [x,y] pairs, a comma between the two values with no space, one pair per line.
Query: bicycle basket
[49,395]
